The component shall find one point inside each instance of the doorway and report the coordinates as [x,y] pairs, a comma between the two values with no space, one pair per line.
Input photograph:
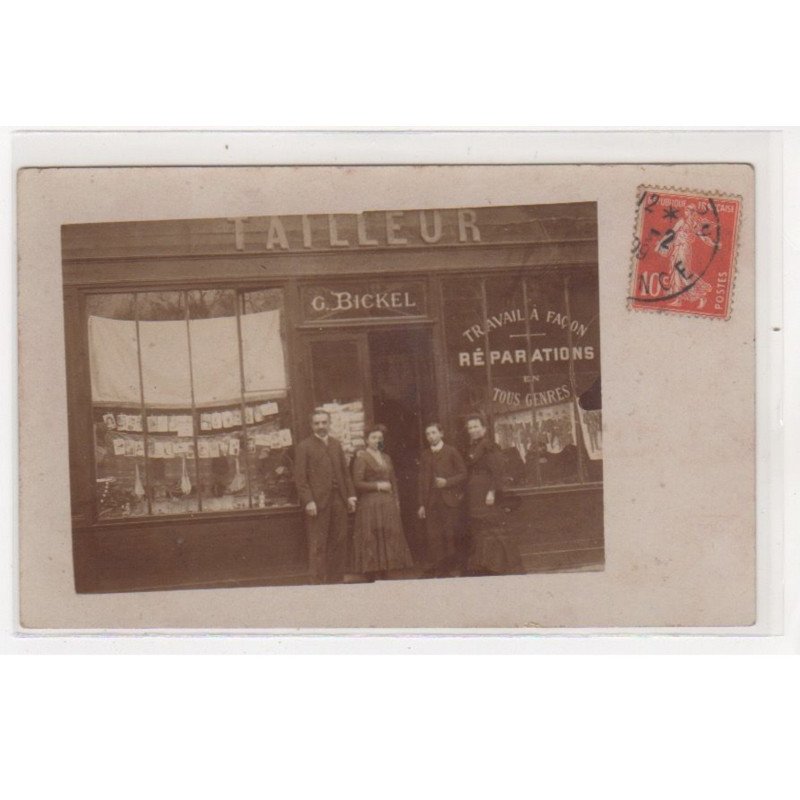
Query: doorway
[382,375]
[403,399]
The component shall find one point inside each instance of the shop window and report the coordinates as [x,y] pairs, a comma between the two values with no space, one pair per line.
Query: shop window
[522,351]
[190,402]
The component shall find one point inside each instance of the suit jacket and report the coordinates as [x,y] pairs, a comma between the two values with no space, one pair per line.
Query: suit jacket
[447,464]
[318,467]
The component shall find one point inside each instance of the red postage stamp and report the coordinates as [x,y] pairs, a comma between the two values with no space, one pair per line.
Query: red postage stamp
[684,252]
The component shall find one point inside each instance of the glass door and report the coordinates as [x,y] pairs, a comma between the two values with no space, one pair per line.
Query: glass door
[339,371]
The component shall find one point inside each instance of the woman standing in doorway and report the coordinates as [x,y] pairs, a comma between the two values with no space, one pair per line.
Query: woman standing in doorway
[378,541]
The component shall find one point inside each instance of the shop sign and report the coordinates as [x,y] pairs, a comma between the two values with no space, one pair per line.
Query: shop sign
[365,300]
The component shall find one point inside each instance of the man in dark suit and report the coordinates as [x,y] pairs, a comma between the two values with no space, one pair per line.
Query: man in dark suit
[325,489]
[441,476]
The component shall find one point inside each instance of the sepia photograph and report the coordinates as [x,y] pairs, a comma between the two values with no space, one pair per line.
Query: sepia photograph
[334,398]
[426,397]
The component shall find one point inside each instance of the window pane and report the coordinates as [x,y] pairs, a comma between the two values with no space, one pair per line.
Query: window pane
[216,368]
[164,346]
[336,376]
[567,350]
[523,361]
[116,406]
[166,382]
[338,388]
[464,325]
[221,463]
[584,306]
[263,345]
[267,412]
[511,377]
[217,386]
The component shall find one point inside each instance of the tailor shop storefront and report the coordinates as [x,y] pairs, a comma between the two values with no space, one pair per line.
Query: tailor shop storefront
[197,349]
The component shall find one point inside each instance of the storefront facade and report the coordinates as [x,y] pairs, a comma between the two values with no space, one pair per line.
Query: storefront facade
[196,350]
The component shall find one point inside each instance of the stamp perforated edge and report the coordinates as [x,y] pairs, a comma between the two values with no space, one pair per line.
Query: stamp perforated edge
[734,261]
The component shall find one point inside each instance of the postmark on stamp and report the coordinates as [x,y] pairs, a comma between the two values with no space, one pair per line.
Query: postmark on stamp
[684,252]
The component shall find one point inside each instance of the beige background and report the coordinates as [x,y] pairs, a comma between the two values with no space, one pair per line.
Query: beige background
[678,412]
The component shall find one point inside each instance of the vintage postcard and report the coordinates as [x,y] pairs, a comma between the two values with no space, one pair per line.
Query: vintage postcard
[387,397]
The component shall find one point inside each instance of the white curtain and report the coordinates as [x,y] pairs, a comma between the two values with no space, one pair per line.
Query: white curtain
[165,360]
[113,361]
[165,363]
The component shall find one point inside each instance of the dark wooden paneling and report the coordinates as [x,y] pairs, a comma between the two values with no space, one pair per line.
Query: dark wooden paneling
[554,531]
[81,435]
[556,521]
[144,272]
[186,554]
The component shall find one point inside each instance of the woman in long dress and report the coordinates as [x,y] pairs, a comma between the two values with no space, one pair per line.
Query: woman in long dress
[378,541]
[492,550]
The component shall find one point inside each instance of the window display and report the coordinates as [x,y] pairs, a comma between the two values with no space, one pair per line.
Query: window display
[190,402]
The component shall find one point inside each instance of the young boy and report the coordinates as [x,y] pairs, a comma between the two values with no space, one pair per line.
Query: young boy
[441,477]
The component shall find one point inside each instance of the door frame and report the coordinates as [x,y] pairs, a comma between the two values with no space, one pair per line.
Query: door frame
[359,331]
